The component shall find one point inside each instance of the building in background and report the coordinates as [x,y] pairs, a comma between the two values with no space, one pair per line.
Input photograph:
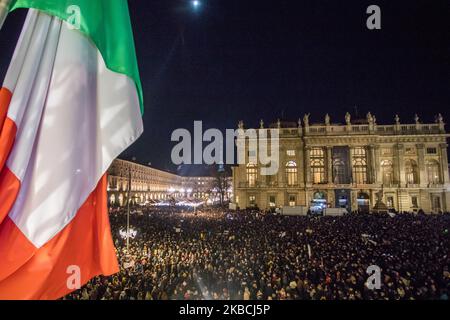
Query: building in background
[205,187]
[350,165]
[146,183]
[149,184]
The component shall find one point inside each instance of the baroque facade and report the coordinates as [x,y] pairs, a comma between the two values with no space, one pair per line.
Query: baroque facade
[149,184]
[350,165]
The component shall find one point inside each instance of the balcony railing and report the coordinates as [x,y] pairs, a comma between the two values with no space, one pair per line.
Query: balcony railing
[436,185]
[390,185]
[412,185]
[336,185]
[402,129]
[267,185]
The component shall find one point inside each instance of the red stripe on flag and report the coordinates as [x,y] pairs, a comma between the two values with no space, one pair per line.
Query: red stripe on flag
[8,128]
[85,242]
[9,188]
[5,99]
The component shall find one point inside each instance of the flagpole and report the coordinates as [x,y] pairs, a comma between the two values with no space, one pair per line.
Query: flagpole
[4,9]
[128,208]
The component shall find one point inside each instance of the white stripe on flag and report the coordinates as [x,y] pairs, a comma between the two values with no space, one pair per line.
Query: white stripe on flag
[27,129]
[30,68]
[20,52]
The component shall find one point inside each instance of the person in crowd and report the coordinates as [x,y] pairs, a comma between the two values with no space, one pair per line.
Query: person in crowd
[252,255]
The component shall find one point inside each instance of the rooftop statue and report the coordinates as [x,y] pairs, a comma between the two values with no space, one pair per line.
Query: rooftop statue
[306,120]
[370,118]
[348,119]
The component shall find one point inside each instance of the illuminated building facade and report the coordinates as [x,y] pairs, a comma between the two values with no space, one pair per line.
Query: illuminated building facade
[347,165]
[148,184]
[205,187]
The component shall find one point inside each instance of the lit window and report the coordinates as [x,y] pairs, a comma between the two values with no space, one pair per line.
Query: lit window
[272,201]
[317,163]
[341,168]
[292,201]
[252,201]
[359,162]
[339,171]
[387,172]
[411,172]
[434,174]
[291,173]
[290,153]
[390,202]
[252,172]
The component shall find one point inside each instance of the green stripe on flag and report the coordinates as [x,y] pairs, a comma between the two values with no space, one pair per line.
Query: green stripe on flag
[107,23]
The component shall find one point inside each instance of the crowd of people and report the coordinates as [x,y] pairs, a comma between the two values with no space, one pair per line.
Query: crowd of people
[249,255]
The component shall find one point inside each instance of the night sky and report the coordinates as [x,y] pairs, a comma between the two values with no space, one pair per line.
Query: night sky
[234,60]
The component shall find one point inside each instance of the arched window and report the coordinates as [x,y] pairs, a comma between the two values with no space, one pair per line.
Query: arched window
[411,172]
[319,195]
[112,200]
[252,173]
[363,202]
[387,172]
[433,171]
[339,171]
[359,162]
[291,173]
[317,163]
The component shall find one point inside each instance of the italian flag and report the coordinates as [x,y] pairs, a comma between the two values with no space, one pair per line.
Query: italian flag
[70,104]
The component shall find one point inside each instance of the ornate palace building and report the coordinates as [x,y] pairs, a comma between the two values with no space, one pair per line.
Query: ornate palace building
[148,184]
[347,165]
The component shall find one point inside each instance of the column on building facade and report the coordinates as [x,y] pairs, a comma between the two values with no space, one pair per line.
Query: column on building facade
[307,165]
[350,164]
[444,162]
[234,181]
[281,176]
[300,164]
[446,201]
[399,166]
[370,164]
[354,200]
[395,164]
[260,179]
[329,150]
[421,164]
[401,159]
[377,165]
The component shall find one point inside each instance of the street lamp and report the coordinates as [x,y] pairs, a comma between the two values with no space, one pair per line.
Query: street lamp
[129,198]
[128,207]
